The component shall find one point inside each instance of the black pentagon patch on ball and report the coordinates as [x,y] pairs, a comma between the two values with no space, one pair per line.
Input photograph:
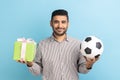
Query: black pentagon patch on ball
[98,45]
[88,39]
[88,50]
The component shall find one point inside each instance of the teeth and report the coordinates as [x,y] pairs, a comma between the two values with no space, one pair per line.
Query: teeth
[59,29]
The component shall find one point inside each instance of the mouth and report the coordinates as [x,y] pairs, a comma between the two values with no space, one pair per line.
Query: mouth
[60,29]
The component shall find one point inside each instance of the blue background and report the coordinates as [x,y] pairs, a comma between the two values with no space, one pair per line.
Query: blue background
[30,19]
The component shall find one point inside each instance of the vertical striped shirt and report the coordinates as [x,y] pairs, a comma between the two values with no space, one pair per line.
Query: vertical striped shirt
[59,60]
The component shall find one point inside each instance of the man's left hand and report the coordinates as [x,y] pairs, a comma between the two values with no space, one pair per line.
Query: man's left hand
[90,62]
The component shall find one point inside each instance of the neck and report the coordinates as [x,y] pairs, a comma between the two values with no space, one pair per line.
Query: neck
[59,38]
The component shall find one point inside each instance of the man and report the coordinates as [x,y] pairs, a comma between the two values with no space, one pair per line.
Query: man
[58,57]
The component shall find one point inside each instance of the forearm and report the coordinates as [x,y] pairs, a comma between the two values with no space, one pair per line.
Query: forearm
[35,69]
[82,68]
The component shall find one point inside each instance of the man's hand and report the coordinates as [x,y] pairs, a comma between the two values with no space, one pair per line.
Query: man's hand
[28,63]
[90,62]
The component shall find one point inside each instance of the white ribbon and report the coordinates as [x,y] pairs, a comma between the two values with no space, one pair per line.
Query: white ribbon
[23,48]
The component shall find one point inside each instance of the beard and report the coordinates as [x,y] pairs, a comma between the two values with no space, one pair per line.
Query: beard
[60,31]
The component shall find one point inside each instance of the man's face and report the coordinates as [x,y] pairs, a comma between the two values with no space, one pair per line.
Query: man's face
[59,24]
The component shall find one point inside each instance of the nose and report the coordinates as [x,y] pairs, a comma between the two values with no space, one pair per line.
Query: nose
[60,25]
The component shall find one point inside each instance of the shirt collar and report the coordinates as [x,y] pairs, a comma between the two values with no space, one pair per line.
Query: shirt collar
[52,38]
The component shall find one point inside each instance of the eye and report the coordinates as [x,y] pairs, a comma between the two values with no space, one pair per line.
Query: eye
[56,21]
[63,22]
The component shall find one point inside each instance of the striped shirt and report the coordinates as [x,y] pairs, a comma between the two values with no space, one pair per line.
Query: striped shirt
[59,60]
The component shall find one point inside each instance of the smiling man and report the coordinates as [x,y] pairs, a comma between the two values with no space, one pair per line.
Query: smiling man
[58,57]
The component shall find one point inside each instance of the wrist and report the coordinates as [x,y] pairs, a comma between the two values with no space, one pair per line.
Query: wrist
[89,68]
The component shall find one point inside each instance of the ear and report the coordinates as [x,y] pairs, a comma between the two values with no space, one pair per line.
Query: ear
[68,24]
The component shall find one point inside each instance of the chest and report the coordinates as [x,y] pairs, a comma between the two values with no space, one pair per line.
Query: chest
[60,52]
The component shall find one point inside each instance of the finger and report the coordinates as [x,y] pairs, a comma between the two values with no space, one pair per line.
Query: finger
[96,59]
[28,61]
[85,58]
[23,62]
[92,60]
[97,56]
[18,61]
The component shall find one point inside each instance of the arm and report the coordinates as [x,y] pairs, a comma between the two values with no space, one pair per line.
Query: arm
[90,62]
[82,67]
[85,64]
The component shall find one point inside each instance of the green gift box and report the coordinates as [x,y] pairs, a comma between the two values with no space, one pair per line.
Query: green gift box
[24,50]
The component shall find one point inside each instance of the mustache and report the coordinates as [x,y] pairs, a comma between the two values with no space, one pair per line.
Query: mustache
[59,28]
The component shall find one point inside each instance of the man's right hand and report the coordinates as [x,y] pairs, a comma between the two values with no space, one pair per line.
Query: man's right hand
[28,63]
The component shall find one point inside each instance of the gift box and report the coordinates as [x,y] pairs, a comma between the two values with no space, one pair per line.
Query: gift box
[24,49]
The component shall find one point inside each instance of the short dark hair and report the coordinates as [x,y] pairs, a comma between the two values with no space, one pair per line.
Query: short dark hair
[60,12]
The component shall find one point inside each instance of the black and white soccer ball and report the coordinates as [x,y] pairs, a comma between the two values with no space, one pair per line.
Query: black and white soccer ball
[91,47]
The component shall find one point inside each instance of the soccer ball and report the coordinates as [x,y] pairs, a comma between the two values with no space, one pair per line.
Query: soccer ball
[91,47]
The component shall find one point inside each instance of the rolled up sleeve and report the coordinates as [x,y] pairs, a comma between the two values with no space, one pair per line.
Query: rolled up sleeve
[82,65]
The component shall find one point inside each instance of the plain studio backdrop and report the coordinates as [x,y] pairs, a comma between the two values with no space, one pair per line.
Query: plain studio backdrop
[30,19]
